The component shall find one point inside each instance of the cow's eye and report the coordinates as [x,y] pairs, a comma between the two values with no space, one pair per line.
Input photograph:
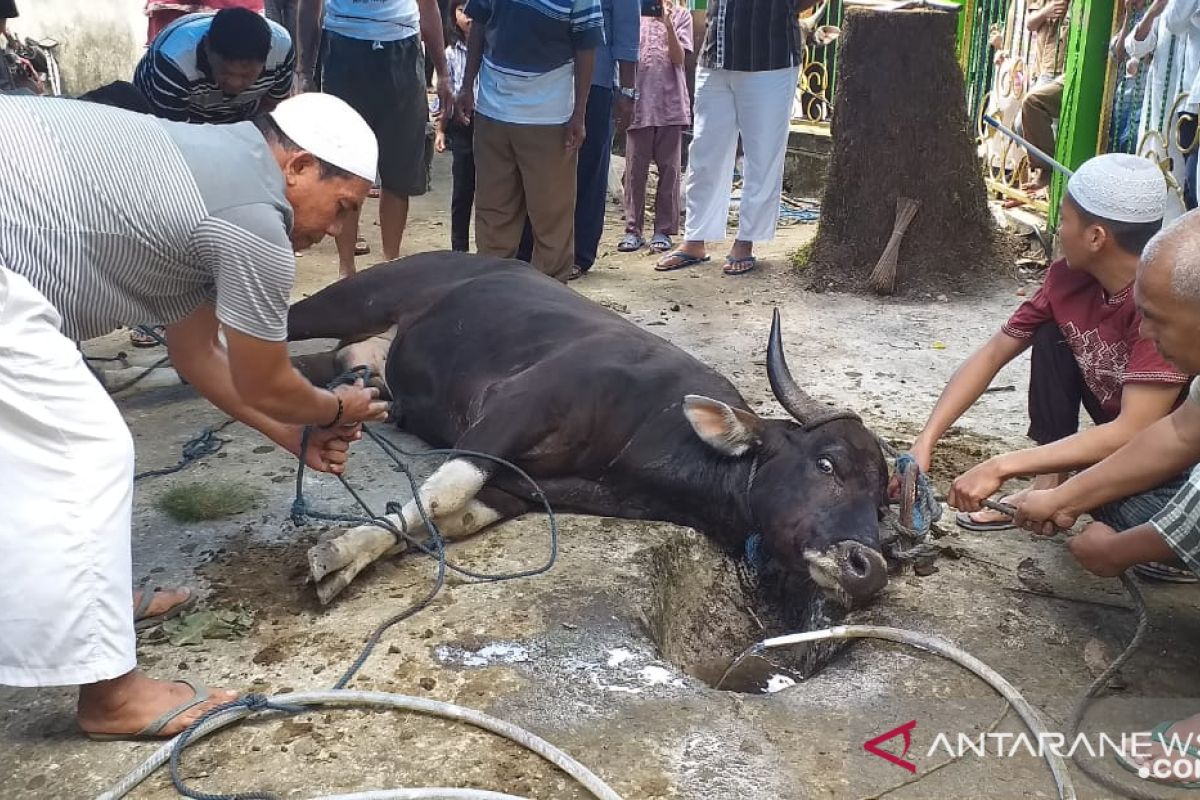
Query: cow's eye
[825,465]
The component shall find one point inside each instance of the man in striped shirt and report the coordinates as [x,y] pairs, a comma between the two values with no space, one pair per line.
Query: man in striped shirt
[746,79]
[223,67]
[123,218]
[1168,294]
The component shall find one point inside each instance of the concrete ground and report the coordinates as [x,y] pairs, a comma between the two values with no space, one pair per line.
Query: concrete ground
[568,654]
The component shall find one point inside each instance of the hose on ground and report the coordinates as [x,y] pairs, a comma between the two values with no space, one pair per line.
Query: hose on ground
[420,705]
[1090,768]
[934,644]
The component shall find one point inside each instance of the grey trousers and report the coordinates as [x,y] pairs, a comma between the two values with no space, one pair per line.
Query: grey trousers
[302,18]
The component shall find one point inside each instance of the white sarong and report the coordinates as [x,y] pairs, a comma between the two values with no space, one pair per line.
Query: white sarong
[66,493]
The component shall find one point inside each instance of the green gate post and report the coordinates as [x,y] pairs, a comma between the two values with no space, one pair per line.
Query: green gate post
[1083,90]
[966,13]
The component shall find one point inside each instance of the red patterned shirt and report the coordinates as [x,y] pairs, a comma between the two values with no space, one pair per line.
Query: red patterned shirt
[1102,331]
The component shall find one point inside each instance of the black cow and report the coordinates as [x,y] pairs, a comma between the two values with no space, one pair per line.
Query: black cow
[489,355]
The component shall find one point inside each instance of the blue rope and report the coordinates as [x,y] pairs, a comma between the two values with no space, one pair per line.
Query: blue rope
[926,508]
[435,548]
[203,444]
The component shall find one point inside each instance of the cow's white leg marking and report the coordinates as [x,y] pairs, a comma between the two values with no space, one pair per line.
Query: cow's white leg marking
[468,520]
[449,490]
[372,352]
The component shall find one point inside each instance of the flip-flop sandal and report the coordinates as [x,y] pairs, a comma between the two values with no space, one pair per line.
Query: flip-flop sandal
[739,266]
[142,621]
[964,520]
[631,243]
[361,248]
[1165,573]
[661,243]
[139,338]
[1159,735]
[678,260]
[200,694]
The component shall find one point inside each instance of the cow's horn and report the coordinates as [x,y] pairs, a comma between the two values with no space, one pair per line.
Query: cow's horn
[807,411]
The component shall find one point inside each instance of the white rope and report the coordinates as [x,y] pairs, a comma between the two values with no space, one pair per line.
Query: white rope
[419,705]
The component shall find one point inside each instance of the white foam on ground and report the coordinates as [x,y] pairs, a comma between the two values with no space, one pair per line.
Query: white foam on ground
[777,683]
[619,656]
[497,653]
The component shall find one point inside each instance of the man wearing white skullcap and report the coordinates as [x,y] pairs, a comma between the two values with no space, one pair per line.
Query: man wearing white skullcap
[123,218]
[1083,327]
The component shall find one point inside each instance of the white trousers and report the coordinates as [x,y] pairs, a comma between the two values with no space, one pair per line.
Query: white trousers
[66,495]
[758,106]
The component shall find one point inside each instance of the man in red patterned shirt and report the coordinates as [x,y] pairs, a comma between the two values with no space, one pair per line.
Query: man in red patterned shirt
[1083,328]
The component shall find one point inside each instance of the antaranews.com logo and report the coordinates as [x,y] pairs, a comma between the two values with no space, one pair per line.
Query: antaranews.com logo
[1174,763]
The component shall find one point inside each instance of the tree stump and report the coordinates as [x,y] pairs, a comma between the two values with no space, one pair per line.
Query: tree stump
[900,129]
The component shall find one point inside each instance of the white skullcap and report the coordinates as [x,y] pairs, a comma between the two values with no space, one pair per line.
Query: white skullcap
[1120,187]
[331,130]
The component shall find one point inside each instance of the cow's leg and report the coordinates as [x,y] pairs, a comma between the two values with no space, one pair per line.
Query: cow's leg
[447,492]
[462,523]
[371,352]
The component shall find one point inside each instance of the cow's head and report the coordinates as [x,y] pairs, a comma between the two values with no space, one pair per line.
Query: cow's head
[816,486]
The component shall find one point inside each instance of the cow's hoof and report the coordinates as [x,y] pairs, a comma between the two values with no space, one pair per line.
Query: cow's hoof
[348,553]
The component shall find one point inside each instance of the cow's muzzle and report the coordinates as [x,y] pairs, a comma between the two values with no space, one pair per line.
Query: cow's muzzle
[852,572]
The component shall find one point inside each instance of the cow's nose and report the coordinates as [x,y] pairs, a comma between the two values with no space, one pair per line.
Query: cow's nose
[862,571]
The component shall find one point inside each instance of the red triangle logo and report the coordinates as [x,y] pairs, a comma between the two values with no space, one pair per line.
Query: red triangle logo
[904,730]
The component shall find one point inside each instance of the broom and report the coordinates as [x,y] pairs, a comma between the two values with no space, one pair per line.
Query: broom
[883,277]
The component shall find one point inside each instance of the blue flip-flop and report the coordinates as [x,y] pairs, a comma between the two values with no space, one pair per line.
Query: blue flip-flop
[739,266]
[1159,735]
[678,260]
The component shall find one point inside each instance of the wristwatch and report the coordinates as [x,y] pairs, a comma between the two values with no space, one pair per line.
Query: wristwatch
[628,92]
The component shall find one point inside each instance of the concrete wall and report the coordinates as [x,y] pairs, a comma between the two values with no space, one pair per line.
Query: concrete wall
[100,40]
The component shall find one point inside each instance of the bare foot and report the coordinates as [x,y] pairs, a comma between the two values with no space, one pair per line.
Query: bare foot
[126,705]
[1159,760]
[162,601]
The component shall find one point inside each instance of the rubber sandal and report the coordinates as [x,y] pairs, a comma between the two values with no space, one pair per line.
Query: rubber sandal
[576,273]
[1165,573]
[661,243]
[200,694]
[142,621]
[1159,735]
[361,248]
[139,338]
[963,520]
[739,266]
[678,260]
[631,243]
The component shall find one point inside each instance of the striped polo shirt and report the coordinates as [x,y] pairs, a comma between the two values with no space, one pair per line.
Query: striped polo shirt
[527,75]
[752,35]
[175,76]
[122,219]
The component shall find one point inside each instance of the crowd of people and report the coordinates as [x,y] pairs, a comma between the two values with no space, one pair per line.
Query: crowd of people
[528,99]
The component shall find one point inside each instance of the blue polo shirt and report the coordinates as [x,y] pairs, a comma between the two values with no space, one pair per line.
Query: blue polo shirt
[527,77]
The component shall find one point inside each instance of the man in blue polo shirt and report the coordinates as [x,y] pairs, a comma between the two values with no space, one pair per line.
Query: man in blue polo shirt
[534,62]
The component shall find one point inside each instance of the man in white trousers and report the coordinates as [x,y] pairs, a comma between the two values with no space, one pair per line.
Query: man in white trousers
[113,218]
[745,86]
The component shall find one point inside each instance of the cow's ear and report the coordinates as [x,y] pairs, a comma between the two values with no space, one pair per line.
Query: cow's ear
[724,428]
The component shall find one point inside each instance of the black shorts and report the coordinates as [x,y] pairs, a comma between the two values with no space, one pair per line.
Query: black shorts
[385,83]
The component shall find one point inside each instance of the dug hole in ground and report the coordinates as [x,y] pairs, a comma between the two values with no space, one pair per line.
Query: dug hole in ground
[572,655]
